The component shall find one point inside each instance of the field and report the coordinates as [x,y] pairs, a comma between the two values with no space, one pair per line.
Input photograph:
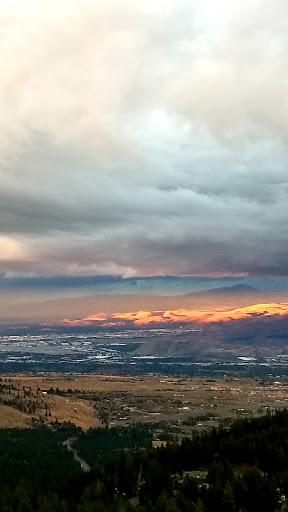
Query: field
[184,404]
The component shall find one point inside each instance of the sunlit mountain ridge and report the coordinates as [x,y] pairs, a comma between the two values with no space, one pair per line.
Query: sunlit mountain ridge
[142,317]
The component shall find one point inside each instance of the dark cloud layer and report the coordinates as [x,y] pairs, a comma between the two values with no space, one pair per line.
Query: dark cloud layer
[165,285]
[143,139]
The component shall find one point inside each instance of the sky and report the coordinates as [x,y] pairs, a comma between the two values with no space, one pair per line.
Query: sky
[142,140]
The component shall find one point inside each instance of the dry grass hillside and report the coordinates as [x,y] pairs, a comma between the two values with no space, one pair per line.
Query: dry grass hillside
[94,400]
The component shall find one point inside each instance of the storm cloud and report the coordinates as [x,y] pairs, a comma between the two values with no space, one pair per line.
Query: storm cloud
[143,138]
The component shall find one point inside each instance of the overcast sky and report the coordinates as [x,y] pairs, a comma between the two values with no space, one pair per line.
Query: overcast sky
[143,138]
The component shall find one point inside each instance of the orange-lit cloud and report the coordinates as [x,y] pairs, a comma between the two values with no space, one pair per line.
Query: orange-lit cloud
[246,312]
[181,315]
[203,316]
[98,317]
[112,324]
[73,323]
[140,317]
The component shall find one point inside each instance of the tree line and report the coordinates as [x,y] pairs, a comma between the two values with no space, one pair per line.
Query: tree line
[242,469]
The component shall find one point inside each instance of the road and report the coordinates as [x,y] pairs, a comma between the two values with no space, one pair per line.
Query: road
[68,443]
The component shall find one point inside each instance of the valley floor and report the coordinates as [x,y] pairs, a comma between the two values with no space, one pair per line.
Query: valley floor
[176,404]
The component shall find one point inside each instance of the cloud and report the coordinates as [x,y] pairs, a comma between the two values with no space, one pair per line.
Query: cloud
[183,316]
[10,248]
[143,139]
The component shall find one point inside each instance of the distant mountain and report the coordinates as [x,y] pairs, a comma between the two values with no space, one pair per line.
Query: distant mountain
[250,337]
[238,289]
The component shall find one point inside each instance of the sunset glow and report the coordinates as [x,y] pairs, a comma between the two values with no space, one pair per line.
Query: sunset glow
[142,318]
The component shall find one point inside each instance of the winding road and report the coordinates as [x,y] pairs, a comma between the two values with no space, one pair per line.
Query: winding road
[68,443]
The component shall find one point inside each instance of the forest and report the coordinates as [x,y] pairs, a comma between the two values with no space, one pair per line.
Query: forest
[243,468]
